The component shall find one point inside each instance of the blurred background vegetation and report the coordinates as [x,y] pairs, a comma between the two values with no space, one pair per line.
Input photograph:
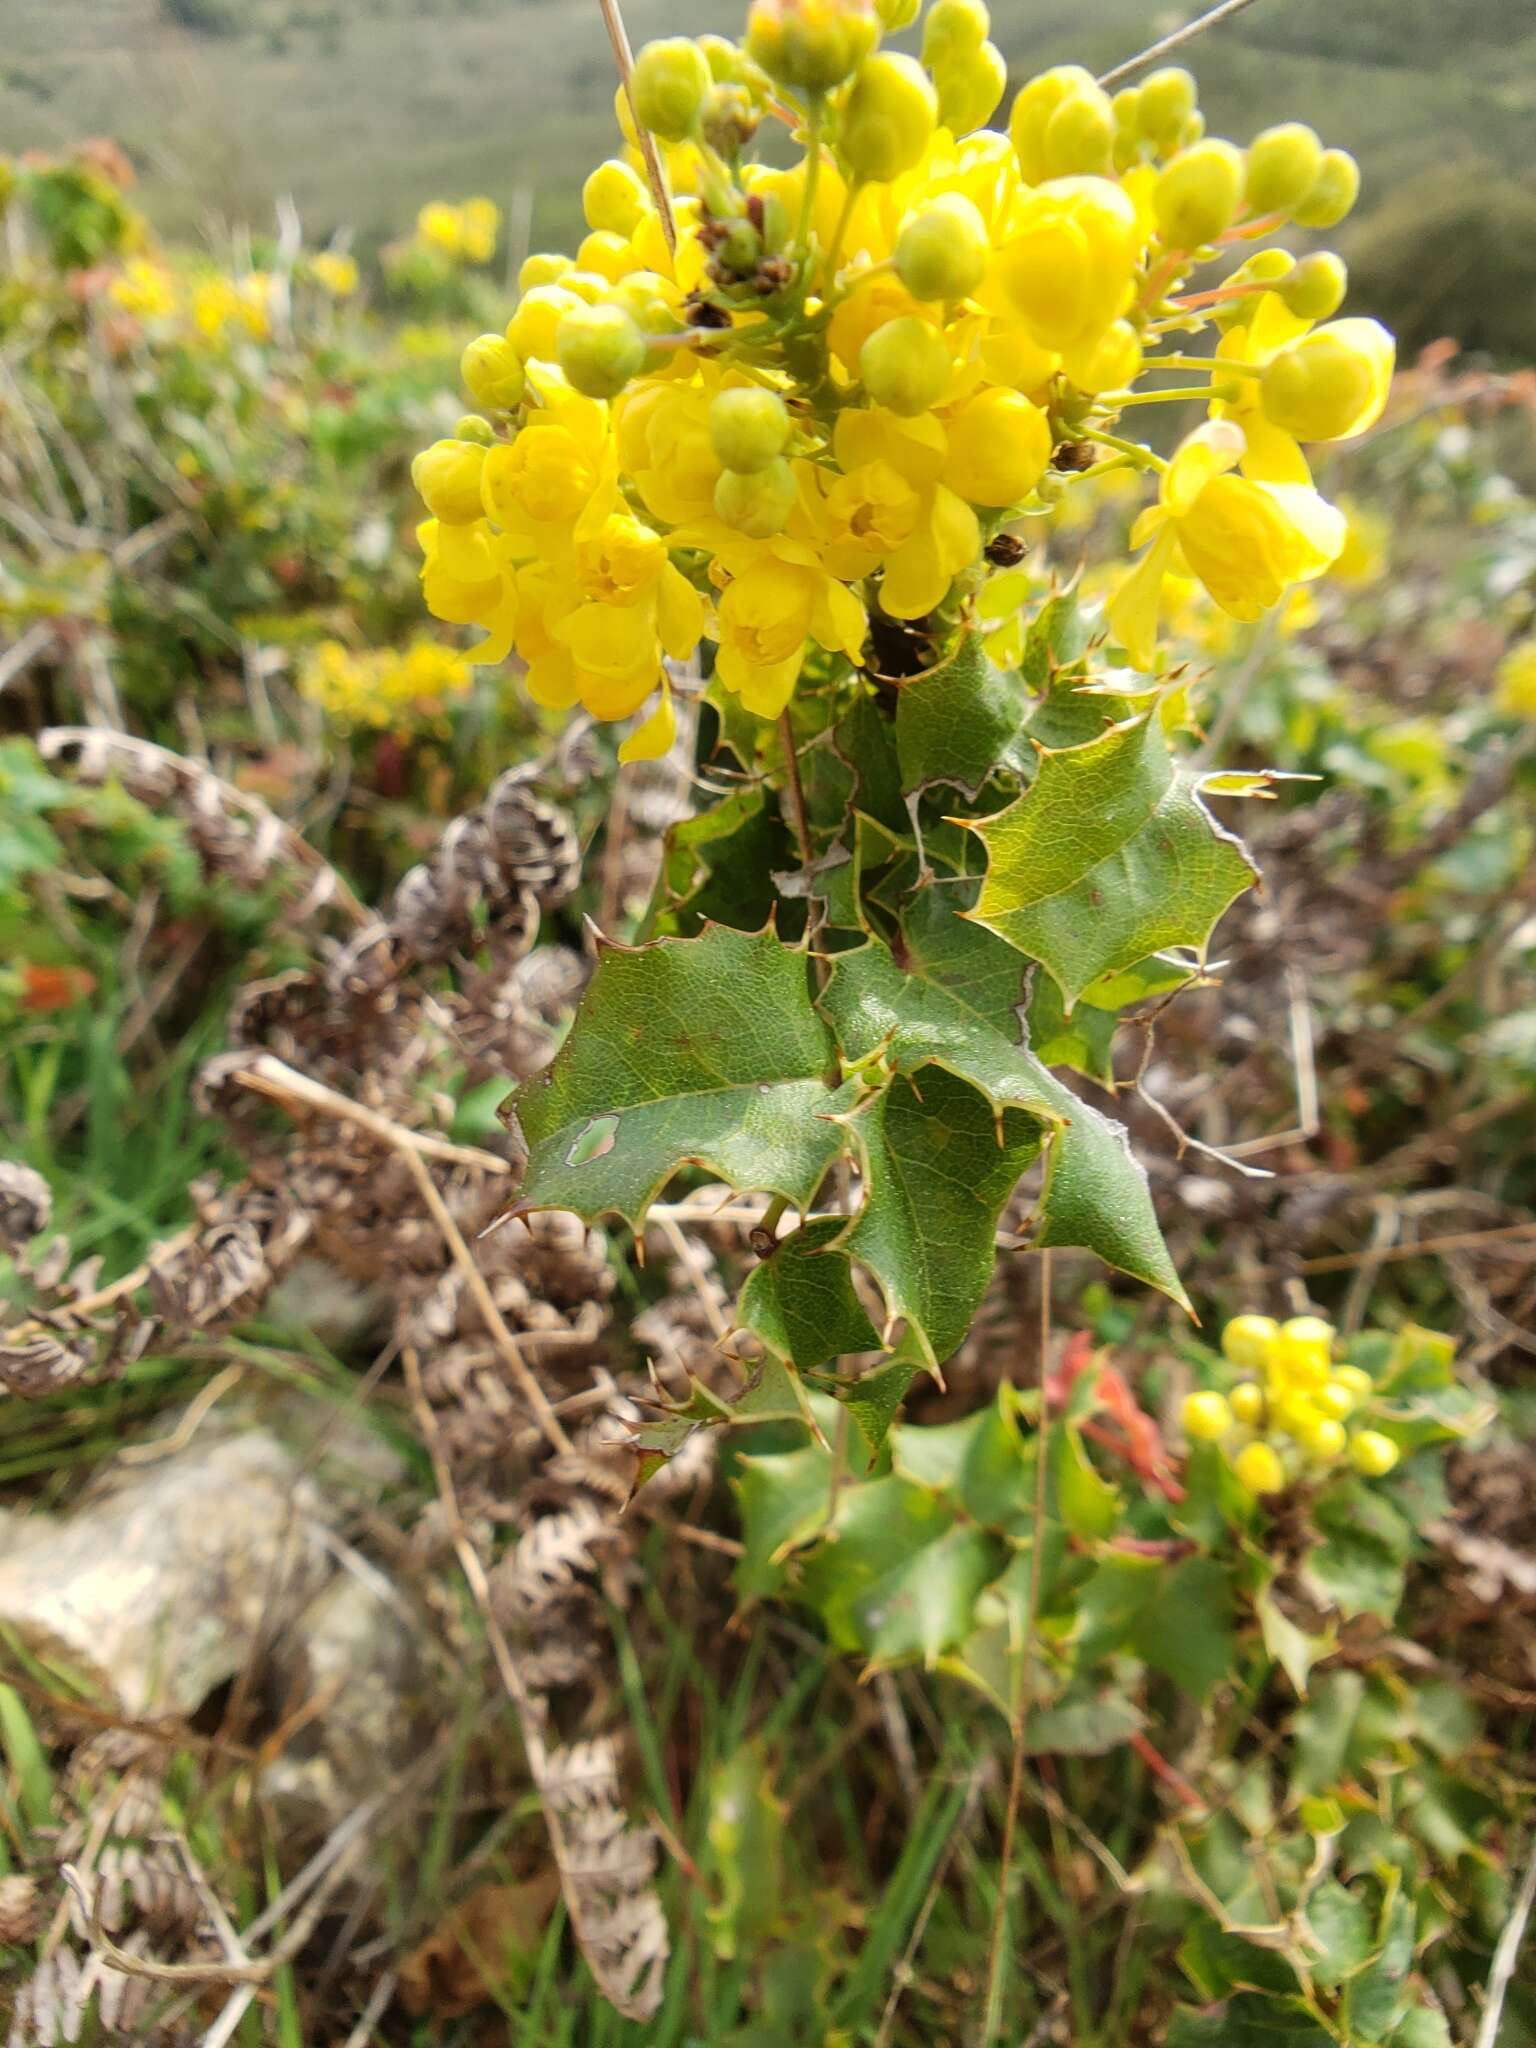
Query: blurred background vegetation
[362,109]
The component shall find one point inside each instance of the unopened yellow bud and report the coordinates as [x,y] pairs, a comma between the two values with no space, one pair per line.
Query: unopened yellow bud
[543,267]
[471,427]
[1331,384]
[941,253]
[1206,1416]
[1247,1403]
[1258,1467]
[668,83]
[1283,164]
[757,505]
[1125,106]
[588,285]
[951,28]
[1372,1454]
[535,326]
[447,477]
[811,45]
[1035,105]
[999,448]
[606,254]
[1080,135]
[1336,1400]
[889,117]
[1304,1351]
[1315,288]
[1334,191]
[1295,1414]
[1164,103]
[896,14]
[1325,1438]
[749,427]
[970,86]
[1197,195]
[614,198]
[1249,1341]
[1357,1380]
[905,366]
[600,349]
[493,372]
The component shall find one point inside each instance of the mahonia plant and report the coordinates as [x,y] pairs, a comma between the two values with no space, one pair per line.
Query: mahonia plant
[770,444]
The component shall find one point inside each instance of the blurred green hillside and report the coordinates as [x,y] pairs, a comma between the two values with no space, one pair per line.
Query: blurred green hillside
[363,108]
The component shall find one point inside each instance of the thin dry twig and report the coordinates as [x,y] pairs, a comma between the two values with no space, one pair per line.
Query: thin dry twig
[623,57]
[1176,41]
[270,1076]
[1506,1955]
[992,2018]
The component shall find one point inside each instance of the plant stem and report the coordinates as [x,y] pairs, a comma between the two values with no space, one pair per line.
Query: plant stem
[1206,364]
[1184,391]
[855,187]
[795,790]
[996,1965]
[812,172]
[1142,457]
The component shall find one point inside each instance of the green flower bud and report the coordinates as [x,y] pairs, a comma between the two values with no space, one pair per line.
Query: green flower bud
[668,84]
[471,427]
[1283,164]
[1316,286]
[1197,195]
[951,28]
[729,120]
[723,58]
[905,366]
[757,504]
[1334,192]
[600,348]
[493,372]
[889,118]
[941,253]
[811,45]
[1165,102]
[896,14]
[749,427]
[970,87]
[1267,267]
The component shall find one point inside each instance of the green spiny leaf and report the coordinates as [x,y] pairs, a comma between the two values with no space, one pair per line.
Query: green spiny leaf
[938,1163]
[1108,856]
[953,723]
[701,1052]
[957,1007]
[800,1300]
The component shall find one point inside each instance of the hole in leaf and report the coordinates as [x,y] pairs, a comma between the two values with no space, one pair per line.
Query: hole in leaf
[594,1141]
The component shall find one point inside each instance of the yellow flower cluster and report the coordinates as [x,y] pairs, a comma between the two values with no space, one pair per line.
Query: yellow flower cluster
[1515,680]
[214,305]
[774,408]
[1292,1414]
[383,686]
[461,234]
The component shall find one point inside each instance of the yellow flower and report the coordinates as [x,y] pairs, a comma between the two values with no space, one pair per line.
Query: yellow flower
[145,289]
[1246,541]
[1068,264]
[769,615]
[1515,680]
[382,686]
[558,480]
[929,532]
[441,227]
[665,447]
[335,273]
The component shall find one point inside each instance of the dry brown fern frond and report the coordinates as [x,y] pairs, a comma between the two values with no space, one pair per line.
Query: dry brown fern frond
[233,833]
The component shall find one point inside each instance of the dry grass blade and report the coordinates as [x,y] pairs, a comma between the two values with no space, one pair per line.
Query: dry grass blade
[1175,41]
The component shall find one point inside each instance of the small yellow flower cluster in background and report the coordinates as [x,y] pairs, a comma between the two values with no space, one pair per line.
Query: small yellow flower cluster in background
[146,288]
[461,234]
[786,402]
[1293,1413]
[335,272]
[383,686]
[1515,680]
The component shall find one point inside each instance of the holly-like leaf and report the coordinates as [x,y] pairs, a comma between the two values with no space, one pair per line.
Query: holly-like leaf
[800,1300]
[901,1576]
[1361,1564]
[982,1462]
[719,864]
[1108,856]
[957,1008]
[953,723]
[938,1164]
[1251,2020]
[702,1052]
